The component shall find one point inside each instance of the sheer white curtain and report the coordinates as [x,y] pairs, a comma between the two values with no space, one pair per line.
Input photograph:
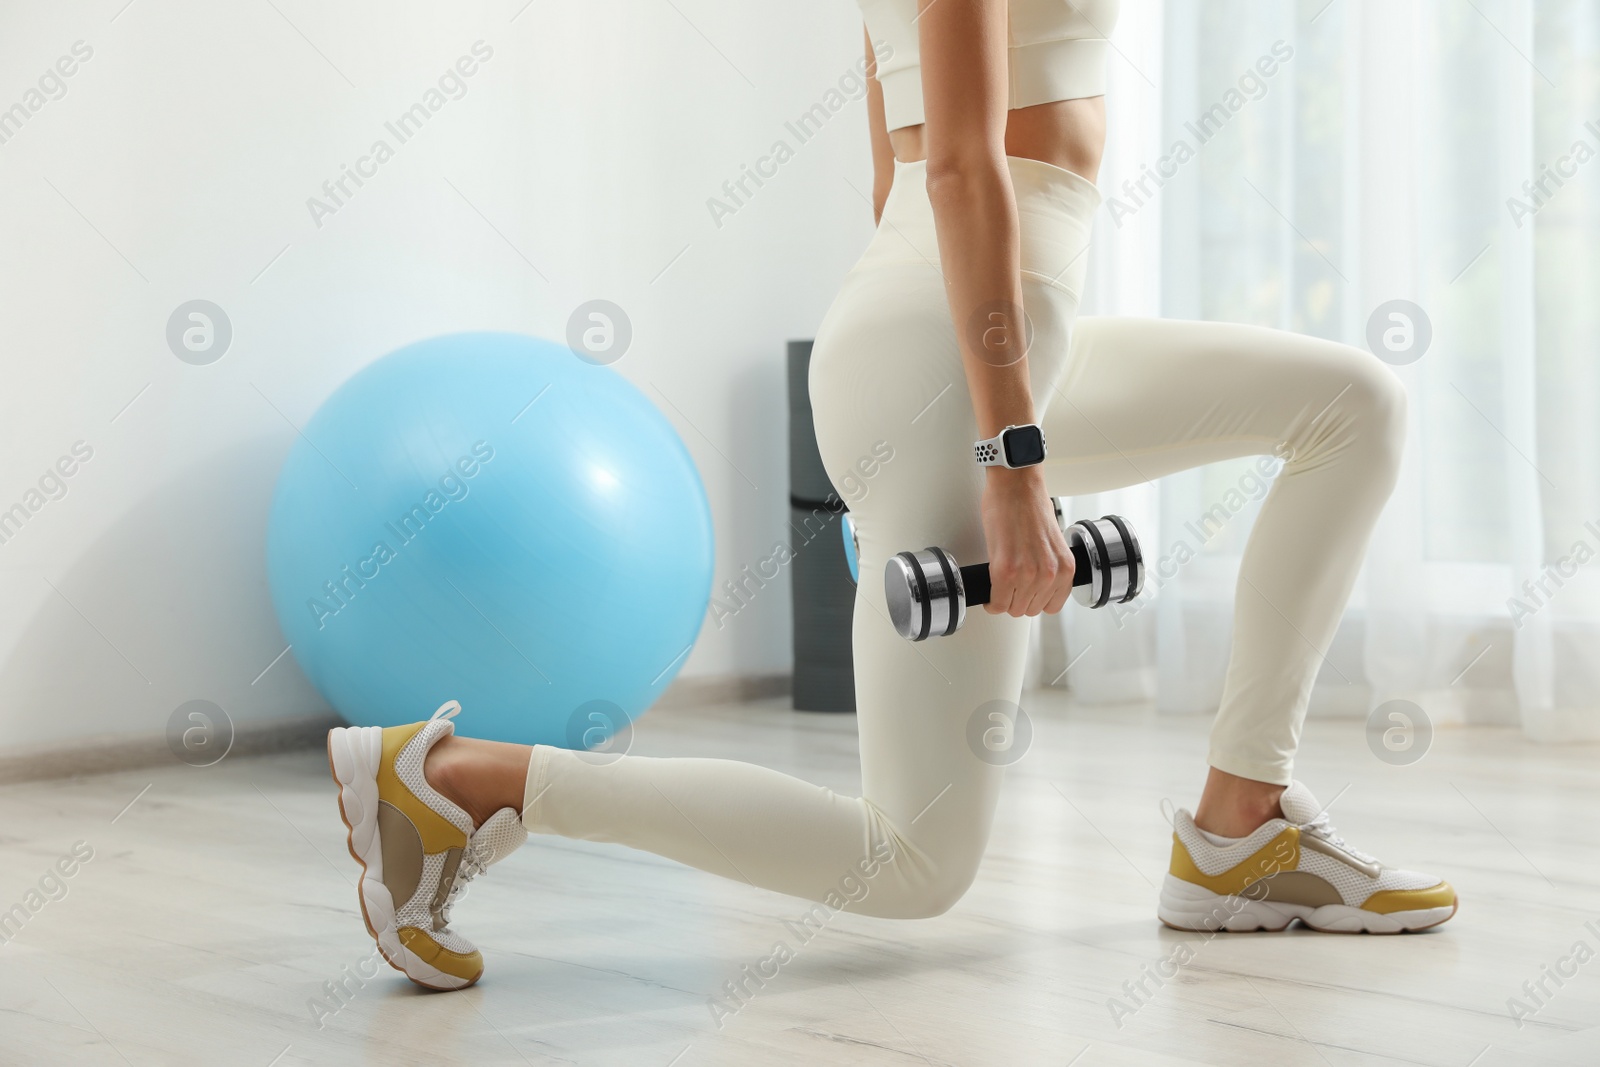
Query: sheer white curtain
[1302,166]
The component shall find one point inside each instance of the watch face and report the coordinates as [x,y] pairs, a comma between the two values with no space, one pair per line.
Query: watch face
[1024,446]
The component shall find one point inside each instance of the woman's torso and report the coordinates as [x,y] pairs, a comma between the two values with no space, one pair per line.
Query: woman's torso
[1055,78]
[1069,133]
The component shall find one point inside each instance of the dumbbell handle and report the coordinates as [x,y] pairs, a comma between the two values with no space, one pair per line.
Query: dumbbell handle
[975,577]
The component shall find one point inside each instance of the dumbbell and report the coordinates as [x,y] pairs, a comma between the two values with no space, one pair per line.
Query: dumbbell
[928,593]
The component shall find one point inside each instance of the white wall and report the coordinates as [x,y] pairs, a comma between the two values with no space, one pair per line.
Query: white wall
[177,165]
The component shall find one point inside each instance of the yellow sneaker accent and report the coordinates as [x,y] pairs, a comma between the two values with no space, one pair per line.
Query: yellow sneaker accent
[438,833]
[1389,901]
[466,966]
[1282,853]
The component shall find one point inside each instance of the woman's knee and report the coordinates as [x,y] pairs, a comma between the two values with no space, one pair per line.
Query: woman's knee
[1381,399]
[927,899]
[943,873]
[943,894]
[1365,412]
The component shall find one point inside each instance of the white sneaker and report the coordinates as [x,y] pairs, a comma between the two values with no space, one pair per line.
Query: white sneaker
[417,850]
[1292,868]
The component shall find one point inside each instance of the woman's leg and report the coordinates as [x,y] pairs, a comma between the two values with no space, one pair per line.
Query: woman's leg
[898,444]
[1141,398]
[910,845]
[895,427]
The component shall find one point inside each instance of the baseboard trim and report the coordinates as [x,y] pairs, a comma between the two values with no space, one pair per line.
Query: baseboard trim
[107,753]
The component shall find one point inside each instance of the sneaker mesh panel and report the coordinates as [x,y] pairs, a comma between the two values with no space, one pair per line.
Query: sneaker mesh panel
[408,766]
[1214,859]
[1354,886]
[415,911]
[500,836]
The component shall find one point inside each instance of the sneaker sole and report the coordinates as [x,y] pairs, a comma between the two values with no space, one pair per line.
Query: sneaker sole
[1189,907]
[354,753]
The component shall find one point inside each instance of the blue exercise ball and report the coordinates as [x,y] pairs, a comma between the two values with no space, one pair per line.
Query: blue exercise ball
[487,518]
[852,550]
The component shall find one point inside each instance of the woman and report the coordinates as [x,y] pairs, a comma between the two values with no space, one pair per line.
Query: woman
[988,122]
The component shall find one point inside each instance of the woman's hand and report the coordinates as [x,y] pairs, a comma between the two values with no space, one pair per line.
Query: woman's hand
[1030,563]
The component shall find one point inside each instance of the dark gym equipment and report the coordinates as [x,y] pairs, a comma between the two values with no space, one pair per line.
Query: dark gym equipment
[824,594]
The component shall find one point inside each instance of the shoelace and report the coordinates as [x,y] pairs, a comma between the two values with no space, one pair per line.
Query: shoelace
[1323,828]
[474,861]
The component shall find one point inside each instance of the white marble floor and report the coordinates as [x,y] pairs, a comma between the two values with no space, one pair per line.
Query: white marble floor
[219,902]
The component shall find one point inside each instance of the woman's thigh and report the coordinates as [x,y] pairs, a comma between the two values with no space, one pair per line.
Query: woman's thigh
[1141,398]
[895,426]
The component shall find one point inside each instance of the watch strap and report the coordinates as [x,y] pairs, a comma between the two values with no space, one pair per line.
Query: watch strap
[992,452]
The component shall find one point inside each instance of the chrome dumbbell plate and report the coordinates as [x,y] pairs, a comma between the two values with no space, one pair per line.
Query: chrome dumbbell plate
[1116,563]
[925,594]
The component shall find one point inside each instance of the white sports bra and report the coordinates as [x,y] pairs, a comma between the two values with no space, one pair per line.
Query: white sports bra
[1057,52]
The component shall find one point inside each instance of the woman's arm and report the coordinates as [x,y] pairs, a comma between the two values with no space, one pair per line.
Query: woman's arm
[964,97]
[878,126]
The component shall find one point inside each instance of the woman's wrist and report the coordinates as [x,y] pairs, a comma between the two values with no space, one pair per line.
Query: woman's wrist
[1006,400]
[1016,479]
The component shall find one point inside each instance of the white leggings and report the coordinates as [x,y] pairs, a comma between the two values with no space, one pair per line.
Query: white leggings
[1123,401]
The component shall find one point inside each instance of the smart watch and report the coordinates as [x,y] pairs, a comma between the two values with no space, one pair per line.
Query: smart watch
[1014,446]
